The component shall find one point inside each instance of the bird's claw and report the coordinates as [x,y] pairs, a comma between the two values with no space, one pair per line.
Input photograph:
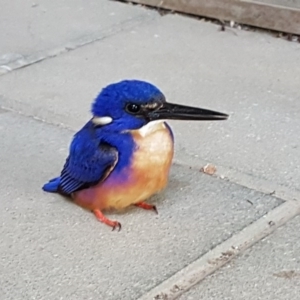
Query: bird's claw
[147,206]
[114,224]
[117,226]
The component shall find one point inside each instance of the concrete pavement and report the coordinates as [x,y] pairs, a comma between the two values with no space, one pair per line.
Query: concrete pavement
[55,56]
[256,275]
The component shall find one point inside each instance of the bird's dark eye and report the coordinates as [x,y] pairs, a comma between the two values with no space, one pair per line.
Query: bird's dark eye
[133,108]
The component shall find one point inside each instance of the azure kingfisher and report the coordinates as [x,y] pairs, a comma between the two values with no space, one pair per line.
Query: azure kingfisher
[123,154]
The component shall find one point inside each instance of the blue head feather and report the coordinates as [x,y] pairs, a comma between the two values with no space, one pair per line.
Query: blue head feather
[112,102]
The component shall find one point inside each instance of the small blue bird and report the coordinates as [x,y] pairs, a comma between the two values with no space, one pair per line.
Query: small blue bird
[123,155]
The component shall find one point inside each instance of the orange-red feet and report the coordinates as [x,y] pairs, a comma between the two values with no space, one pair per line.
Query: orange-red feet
[114,224]
[147,206]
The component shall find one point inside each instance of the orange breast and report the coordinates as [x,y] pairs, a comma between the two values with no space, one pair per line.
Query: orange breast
[147,174]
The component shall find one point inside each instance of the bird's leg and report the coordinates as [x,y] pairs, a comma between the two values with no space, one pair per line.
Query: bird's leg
[114,224]
[147,206]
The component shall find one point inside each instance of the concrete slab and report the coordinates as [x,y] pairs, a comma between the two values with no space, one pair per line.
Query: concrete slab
[241,73]
[284,3]
[38,26]
[52,249]
[269,270]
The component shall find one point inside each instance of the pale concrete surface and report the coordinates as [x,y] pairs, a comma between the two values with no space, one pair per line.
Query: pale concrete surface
[284,3]
[251,76]
[52,249]
[268,271]
[29,27]
[55,250]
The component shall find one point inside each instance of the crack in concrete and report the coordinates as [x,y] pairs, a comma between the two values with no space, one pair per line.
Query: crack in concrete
[37,57]
[247,180]
[36,118]
[194,273]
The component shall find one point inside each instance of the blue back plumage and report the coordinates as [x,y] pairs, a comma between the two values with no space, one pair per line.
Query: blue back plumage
[93,152]
[88,160]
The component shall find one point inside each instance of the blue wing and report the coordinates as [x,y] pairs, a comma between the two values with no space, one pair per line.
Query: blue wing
[89,161]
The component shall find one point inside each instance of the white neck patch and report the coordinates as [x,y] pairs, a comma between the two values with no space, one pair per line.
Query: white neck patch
[102,120]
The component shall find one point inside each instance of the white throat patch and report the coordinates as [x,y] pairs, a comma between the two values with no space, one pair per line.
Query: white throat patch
[150,127]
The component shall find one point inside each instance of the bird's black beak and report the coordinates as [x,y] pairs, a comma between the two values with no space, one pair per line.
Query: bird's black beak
[171,111]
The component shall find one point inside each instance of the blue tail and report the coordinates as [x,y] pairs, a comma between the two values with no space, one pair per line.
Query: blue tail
[52,185]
